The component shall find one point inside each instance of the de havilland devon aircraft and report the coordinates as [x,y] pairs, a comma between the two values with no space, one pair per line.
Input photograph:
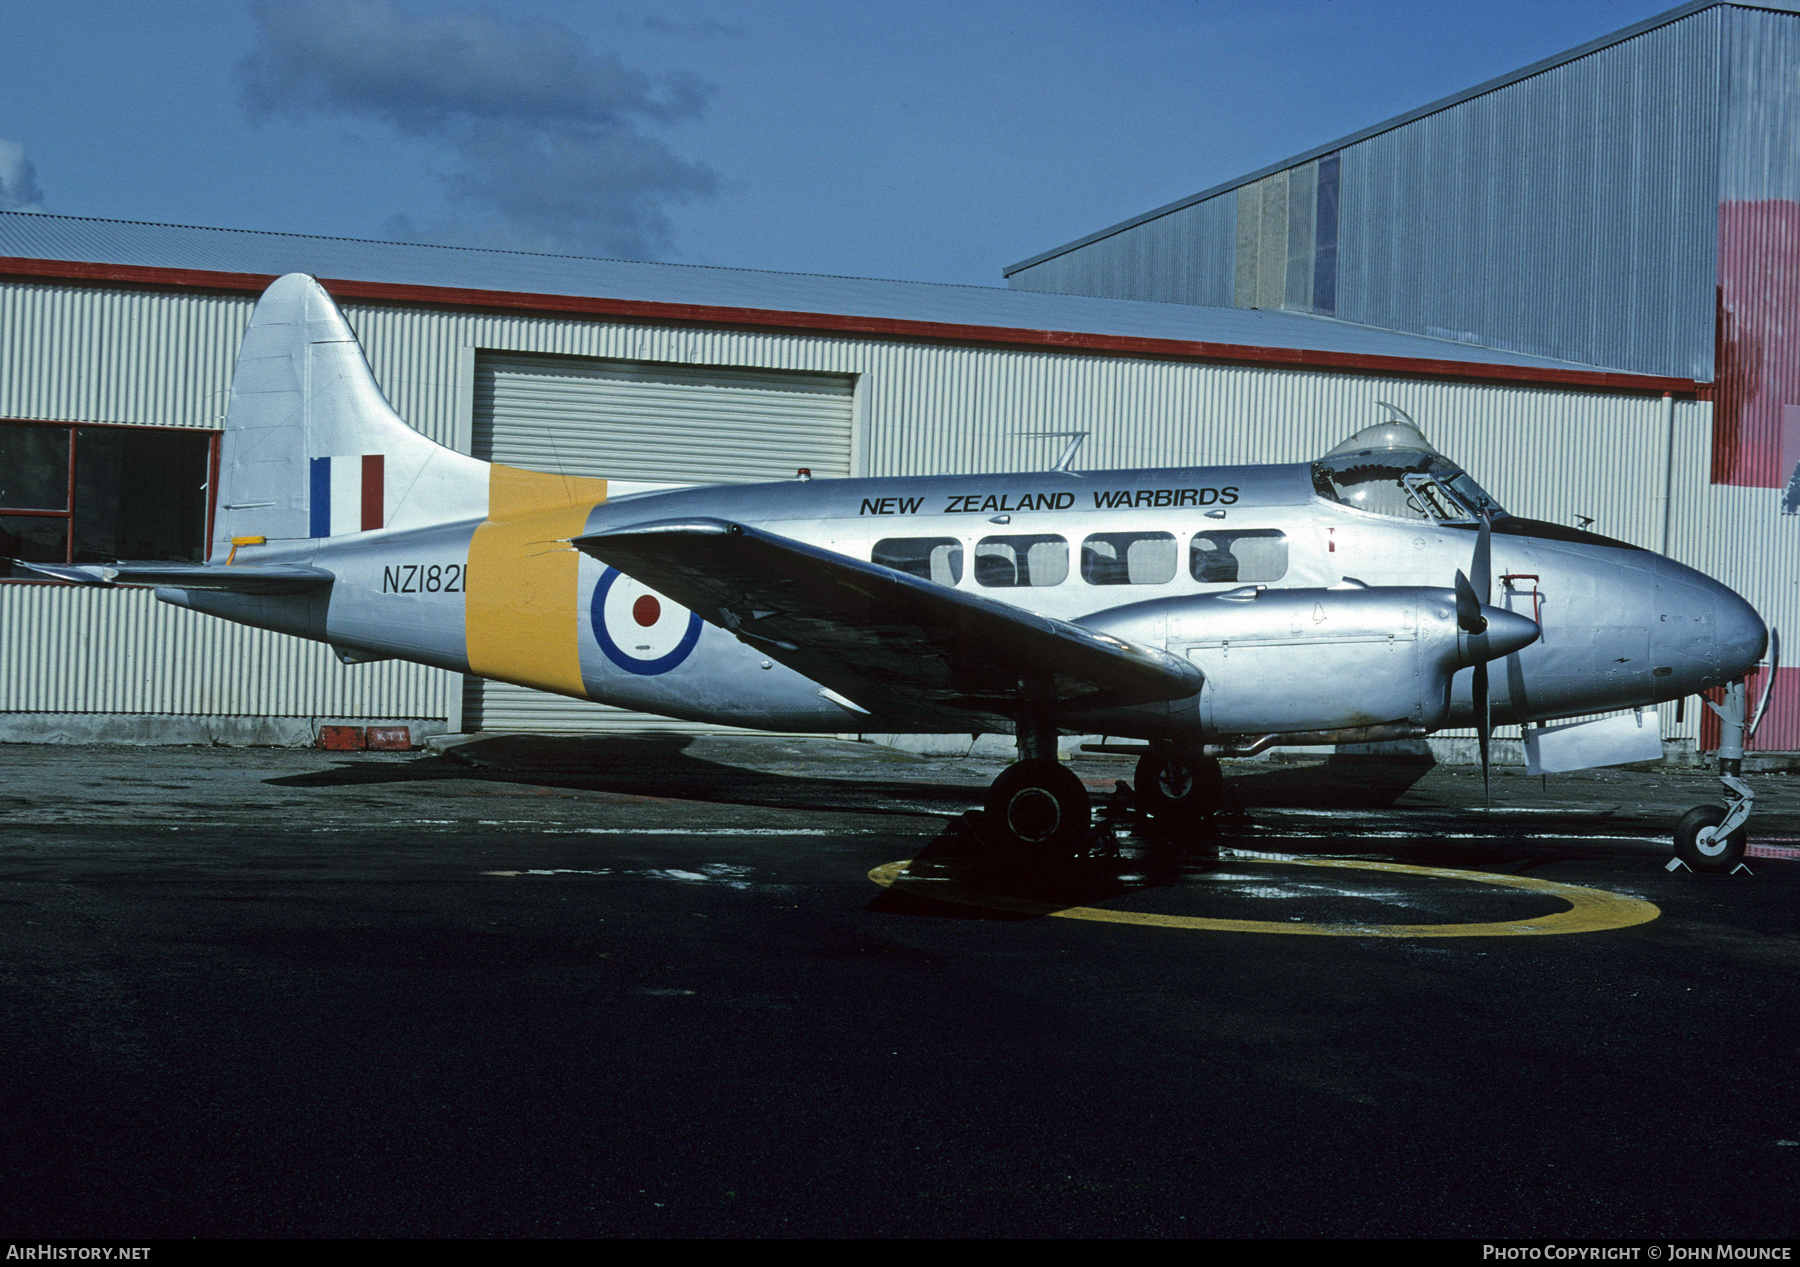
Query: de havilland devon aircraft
[1344,600]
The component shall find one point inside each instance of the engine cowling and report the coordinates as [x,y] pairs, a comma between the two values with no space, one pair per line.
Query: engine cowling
[1286,661]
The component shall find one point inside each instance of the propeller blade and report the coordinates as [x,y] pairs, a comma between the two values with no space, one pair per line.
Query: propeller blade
[1484,723]
[1468,607]
[1469,602]
[1482,566]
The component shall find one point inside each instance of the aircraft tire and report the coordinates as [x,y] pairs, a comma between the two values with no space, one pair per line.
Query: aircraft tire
[1039,807]
[1179,788]
[1717,855]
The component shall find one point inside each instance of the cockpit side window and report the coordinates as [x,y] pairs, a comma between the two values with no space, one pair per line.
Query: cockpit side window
[1475,497]
[1436,500]
[1376,484]
[1403,485]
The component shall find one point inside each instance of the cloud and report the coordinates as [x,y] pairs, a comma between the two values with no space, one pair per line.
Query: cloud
[547,133]
[18,179]
[704,28]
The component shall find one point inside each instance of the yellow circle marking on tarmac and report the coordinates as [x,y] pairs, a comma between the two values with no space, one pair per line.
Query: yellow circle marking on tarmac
[1590,910]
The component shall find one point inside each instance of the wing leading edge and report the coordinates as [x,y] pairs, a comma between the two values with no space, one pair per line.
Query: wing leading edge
[899,646]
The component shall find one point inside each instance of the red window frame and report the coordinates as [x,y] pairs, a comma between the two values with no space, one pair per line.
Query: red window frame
[67,513]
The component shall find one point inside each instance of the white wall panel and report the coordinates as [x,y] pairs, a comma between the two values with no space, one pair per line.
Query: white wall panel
[93,354]
[69,649]
[660,423]
[501,706]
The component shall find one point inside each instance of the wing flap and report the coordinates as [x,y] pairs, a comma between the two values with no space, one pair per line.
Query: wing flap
[891,642]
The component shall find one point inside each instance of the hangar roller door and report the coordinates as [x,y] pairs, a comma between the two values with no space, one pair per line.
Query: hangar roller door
[645,422]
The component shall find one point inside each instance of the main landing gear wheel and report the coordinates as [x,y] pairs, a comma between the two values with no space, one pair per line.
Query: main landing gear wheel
[1179,789]
[1039,806]
[1698,846]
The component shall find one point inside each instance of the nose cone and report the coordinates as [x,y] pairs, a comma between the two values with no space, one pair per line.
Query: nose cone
[1739,635]
[1506,633]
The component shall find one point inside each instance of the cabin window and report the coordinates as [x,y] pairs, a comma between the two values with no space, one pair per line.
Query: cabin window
[100,494]
[1129,558]
[1239,558]
[1014,561]
[937,559]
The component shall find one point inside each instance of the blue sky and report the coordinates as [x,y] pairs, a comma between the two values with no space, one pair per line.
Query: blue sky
[924,140]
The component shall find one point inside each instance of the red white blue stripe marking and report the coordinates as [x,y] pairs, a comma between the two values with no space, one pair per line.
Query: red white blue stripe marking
[347,494]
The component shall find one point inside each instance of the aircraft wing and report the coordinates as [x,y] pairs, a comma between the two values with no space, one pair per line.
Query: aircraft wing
[888,641]
[274,578]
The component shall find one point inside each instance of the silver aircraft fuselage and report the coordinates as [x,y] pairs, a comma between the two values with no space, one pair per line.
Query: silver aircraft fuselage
[1319,610]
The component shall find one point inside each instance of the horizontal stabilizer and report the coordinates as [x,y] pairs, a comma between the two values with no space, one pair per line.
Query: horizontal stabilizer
[891,642]
[276,578]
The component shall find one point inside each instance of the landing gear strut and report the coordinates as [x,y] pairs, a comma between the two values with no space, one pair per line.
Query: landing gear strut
[1038,805]
[1711,837]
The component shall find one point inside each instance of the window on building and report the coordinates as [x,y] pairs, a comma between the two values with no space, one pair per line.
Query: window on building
[937,559]
[1015,561]
[100,494]
[1325,236]
[1129,558]
[1239,558]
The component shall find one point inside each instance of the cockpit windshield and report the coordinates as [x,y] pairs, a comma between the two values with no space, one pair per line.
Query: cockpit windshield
[1403,484]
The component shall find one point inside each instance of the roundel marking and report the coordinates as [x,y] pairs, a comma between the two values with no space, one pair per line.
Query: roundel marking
[638,631]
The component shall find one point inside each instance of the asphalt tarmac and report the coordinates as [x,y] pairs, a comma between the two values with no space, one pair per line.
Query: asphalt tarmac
[648,987]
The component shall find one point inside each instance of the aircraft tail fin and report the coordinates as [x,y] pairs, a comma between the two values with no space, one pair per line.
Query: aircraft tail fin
[312,448]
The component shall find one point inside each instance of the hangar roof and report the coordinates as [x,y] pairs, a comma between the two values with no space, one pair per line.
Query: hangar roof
[35,244]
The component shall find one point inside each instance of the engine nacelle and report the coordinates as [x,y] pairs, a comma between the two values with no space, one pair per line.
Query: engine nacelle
[1318,660]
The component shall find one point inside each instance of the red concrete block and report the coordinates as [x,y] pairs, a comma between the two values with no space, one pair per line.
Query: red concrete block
[342,738]
[391,738]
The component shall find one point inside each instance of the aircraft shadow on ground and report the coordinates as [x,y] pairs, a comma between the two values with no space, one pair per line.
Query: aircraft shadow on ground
[660,766]
[1340,782]
[656,767]
[991,883]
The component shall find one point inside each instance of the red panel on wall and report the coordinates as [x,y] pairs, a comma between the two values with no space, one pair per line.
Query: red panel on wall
[1780,729]
[1758,368]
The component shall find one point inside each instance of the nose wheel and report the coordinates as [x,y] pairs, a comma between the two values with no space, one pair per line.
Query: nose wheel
[1711,837]
[1705,843]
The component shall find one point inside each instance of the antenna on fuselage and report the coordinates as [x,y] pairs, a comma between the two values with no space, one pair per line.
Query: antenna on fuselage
[1068,454]
[1399,414]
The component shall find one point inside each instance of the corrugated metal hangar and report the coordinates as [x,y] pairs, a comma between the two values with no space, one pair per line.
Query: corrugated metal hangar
[1537,271]
[1632,203]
